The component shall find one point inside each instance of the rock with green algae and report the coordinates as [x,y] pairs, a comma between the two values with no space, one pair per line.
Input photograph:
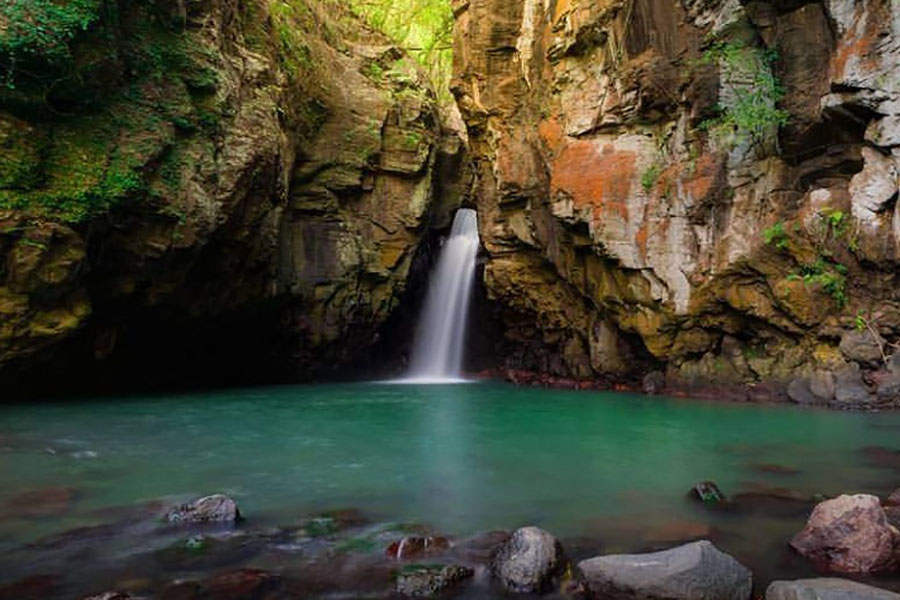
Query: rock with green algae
[426,581]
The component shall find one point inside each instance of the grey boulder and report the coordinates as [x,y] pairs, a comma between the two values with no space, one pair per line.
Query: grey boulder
[826,588]
[531,561]
[217,508]
[695,571]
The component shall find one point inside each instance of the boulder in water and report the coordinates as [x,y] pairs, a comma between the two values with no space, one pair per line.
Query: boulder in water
[826,588]
[695,571]
[217,508]
[849,534]
[708,493]
[414,546]
[531,561]
[423,581]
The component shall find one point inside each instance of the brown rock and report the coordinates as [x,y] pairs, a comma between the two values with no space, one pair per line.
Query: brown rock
[849,534]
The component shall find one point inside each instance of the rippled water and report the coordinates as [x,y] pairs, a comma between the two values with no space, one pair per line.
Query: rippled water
[600,470]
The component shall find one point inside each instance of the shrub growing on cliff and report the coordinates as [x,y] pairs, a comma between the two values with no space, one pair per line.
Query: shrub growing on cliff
[750,111]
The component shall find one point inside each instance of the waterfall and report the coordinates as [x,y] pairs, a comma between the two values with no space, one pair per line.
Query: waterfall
[437,354]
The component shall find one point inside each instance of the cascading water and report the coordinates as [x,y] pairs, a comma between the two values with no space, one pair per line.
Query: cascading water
[437,354]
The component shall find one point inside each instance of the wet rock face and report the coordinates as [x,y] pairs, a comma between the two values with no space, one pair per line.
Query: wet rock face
[530,561]
[268,206]
[623,233]
[849,534]
[696,571]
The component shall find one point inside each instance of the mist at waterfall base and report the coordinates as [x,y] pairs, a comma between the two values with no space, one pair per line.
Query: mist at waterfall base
[440,336]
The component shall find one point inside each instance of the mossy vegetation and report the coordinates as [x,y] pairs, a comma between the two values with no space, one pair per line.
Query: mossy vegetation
[749,113]
[96,96]
[101,98]
[423,28]
[826,232]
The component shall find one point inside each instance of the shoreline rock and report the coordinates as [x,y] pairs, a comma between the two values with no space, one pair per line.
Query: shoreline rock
[695,571]
[530,561]
[849,534]
[826,588]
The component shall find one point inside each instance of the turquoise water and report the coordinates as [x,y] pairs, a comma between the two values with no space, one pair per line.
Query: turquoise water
[609,468]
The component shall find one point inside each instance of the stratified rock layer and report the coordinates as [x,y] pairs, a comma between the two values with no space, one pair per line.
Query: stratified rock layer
[626,232]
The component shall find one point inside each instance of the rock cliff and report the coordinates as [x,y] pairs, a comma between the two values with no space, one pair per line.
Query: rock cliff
[707,188]
[195,188]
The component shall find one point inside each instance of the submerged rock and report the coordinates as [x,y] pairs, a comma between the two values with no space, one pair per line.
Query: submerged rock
[413,546]
[775,469]
[422,581]
[696,571]
[217,508]
[708,492]
[826,588]
[201,552]
[46,502]
[879,456]
[530,561]
[243,584]
[849,534]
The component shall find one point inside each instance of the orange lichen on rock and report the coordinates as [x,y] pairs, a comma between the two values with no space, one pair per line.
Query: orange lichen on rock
[551,134]
[597,178]
[857,43]
[700,178]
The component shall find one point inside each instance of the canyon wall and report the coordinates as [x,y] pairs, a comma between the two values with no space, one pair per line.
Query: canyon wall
[206,190]
[690,193]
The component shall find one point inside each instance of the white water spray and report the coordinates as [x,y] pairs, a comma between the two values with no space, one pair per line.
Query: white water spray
[437,354]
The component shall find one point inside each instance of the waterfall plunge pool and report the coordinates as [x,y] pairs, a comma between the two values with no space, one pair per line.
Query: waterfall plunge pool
[605,472]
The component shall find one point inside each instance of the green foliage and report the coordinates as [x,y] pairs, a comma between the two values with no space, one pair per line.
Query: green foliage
[776,236]
[291,20]
[423,28]
[76,166]
[649,177]
[829,275]
[752,114]
[41,29]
